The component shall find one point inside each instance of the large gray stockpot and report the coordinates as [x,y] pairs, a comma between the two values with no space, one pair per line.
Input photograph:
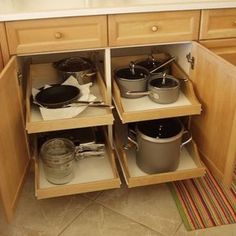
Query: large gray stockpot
[158,144]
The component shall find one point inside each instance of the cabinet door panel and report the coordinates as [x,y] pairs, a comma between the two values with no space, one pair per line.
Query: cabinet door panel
[218,23]
[47,35]
[14,157]
[215,130]
[141,28]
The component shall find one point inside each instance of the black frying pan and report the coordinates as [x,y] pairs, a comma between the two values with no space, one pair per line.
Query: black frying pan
[57,96]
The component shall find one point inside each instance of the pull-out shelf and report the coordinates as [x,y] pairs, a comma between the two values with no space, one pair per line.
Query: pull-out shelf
[139,109]
[41,74]
[90,174]
[190,166]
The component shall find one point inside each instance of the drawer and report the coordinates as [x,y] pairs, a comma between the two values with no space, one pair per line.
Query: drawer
[190,166]
[143,108]
[90,174]
[41,74]
[218,24]
[148,28]
[56,34]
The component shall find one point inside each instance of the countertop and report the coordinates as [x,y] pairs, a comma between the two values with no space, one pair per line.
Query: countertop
[11,10]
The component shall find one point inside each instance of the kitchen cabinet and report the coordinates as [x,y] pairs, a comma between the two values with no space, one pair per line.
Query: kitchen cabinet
[37,43]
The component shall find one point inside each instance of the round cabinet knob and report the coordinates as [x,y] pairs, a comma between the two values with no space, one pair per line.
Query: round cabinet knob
[58,35]
[235,22]
[154,28]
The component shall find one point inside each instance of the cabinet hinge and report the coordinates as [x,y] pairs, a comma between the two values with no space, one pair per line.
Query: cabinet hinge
[20,77]
[191,60]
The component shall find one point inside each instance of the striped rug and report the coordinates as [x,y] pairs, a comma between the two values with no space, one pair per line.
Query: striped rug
[203,203]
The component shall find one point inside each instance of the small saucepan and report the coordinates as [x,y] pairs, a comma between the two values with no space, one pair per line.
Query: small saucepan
[132,78]
[156,66]
[162,88]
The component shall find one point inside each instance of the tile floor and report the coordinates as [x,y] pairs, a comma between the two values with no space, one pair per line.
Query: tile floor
[143,211]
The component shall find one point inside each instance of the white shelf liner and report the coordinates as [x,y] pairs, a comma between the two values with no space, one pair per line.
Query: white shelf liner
[85,171]
[145,103]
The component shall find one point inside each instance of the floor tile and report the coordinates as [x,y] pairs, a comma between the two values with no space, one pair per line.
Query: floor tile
[48,216]
[92,195]
[152,206]
[224,230]
[97,220]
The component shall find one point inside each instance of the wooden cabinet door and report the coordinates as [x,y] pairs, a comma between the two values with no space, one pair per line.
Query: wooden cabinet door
[215,129]
[14,157]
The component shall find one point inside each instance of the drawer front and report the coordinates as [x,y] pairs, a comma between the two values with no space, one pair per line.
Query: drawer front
[218,24]
[56,34]
[148,28]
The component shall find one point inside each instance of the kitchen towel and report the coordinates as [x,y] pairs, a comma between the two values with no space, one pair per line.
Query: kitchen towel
[203,202]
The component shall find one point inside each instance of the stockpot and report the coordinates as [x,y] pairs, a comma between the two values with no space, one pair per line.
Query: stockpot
[158,144]
[162,88]
[80,67]
[131,78]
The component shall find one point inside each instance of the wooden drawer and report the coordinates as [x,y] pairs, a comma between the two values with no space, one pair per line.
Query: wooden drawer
[139,109]
[148,28]
[190,166]
[44,73]
[218,24]
[56,34]
[90,174]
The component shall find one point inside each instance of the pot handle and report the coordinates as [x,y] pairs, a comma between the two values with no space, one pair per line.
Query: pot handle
[188,140]
[131,138]
[135,93]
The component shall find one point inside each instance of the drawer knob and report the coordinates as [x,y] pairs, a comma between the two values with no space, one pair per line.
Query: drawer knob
[58,35]
[154,28]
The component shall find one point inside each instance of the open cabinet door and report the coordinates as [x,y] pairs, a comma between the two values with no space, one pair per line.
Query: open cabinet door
[215,129]
[14,155]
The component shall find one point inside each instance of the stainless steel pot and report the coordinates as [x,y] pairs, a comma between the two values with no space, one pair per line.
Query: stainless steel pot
[155,66]
[162,88]
[58,155]
[132,78]
[80,67]
[158,144]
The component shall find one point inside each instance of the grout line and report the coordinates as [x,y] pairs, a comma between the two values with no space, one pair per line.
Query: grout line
[178,228]
[100,203]
[69,224]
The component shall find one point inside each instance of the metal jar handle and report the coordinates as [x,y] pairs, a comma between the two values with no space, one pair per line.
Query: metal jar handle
[188,140]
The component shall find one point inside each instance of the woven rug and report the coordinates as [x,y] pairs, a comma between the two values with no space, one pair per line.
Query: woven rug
[203,203]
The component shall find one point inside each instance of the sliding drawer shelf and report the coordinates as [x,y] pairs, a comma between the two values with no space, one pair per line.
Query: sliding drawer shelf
[91,174]
[189,167]
[42,74]
[139,109]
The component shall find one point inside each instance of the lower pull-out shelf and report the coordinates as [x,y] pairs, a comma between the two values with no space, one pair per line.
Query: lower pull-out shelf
[90,174]
[190,166]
